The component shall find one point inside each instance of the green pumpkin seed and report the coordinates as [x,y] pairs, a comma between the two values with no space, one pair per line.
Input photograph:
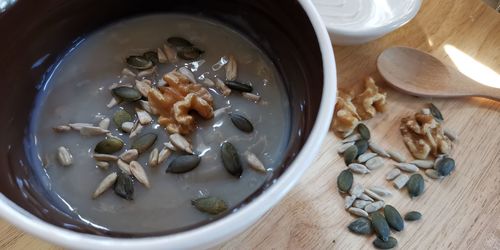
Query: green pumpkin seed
[139,62]
[380,226]
[151,56]
[344,181]
[183,164]
[179,42]
[361,226]
[121,116]
[362,146]
[415,185]
[231,159]
[364,131]
[413,216]
[393,218]
[238,86]
[190,53]
[127,93]
[390,243]
[211,205]
[124,186]
[108,146]
[350,154]
[445,166]
[143,143]
[241,123]
[435,112]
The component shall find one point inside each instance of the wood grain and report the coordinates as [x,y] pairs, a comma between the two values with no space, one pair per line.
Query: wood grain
[459,212]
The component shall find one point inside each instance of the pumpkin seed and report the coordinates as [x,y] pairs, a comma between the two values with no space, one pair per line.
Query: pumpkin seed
[64,156]
[358,168]
[349,200]
[423,163]
[151,56]
[407,167]
[361,226]
[378,149]
[108,146]
[362,146]
[361,203]
[373,207]
[350,154]
[358,212]
[396,156]
[391,175]
[241,122]
[374,163]
[366,156]
[433,174]
[139,62]
[105,184]
[445,166]
[344,181]
[364,131]
[344,147]
[190,53]
[400,181]
[394,218]
[351,138]
[231,160]
[124,186]
[143,143]
[380,226]
[127,93]
[211,205]
[121,116]
[436,161]
[138,172]
[381,244]
[415,185]
[183,164]
[413,216]
[356,190]
[235,85]
[179,42]
[435,112]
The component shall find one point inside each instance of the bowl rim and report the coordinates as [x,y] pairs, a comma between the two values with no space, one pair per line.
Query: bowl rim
[230,225]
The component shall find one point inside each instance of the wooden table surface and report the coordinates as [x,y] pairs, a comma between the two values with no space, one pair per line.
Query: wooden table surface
[459,212]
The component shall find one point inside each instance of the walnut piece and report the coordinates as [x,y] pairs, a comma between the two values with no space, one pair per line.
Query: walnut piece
[370,101]
[174,101]
[423,136]
[346,117]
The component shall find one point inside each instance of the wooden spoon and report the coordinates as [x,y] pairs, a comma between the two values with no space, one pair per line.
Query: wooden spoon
[418,73]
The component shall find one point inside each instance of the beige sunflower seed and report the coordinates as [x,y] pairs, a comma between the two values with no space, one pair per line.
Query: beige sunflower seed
[366,156]
[143,116]
[346,134]
[373,195]
[162,58]
[250,96]
[153,158]
[139,173]
[147,107]
[358,212]
[105,157]
[170,53]
[64,156]
[163,155]
[231,68]
[423,163]
[356,190]
[221,111]
[407,167]
[373,207]
[400,181]
[382,191]
[147,72]
[374,163]
[129,155]
[358,168]
[113,102]
[344,147]
[432,173]
[116,85]
[361,203]
[450,134]
[170,146]
[127,126]
[92,131]
[396,156]
[105,184]
[348,201]
[104,123]
[208,82]
[181,143]
[391,175]
[352,138]
[126,71]
[188,73]
[61,128]
[378,149]
[137,128]
[225,90]
[426,111]
[80,125]
[365,197]
[143,86]
[254,162]
[102,164]
[123,166]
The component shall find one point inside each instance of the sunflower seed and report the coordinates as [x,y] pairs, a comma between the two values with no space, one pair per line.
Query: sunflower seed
[102,164]
[254,162]
[423,163]
[105,184]
[147,107]
[351,138]
[128,94]
[231,69]
[222,87]
[358,212]
[139,173]
[209,82]
[344,181]
[127,127]
[181,143]
[373,195]
[211,205]
[189,53]
[413,216]
[188,73]
[362,146]
[378,149]
[362,226]
[143,143]
[344,147]
[105,157]
[170,53]
[151,56]
[129,155]
[435,112]
[391,175]
[108,146]
[163,155]
[375,163]
[124,186]
[373,207]
[113,102]
[123,166]
[363,131]
[153,158]
[400,181]
[143,116]
[147,72]
[348,201]
[170,146]
[396,156]
[391,242]
[356,190]
[221,111]
[162,58]
[230,159]
[241,123]
[358,168]
[382,191]
[380,226]
[415,185]
[445,166]
[64,156]
[433,174]
[143,86]
[437,160]
[407,167]
[361,203]
[104,123]
[136,129]
[126,71]
[393,218]
[78,126]
[366,156]
[350,154]
[139,62]
[450,134]
[250,96]
[61,128]
[92,131]
[183,164]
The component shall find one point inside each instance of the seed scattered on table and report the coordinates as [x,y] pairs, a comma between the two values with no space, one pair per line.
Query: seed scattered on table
[64,156]
[407,167]
[391,175]
[424,164]
[344,147]
[375,163]
[358,212]
[349,200]
[382,191]
[373,207]
[396,156]
[366,156]
[400,181]
[358,168]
